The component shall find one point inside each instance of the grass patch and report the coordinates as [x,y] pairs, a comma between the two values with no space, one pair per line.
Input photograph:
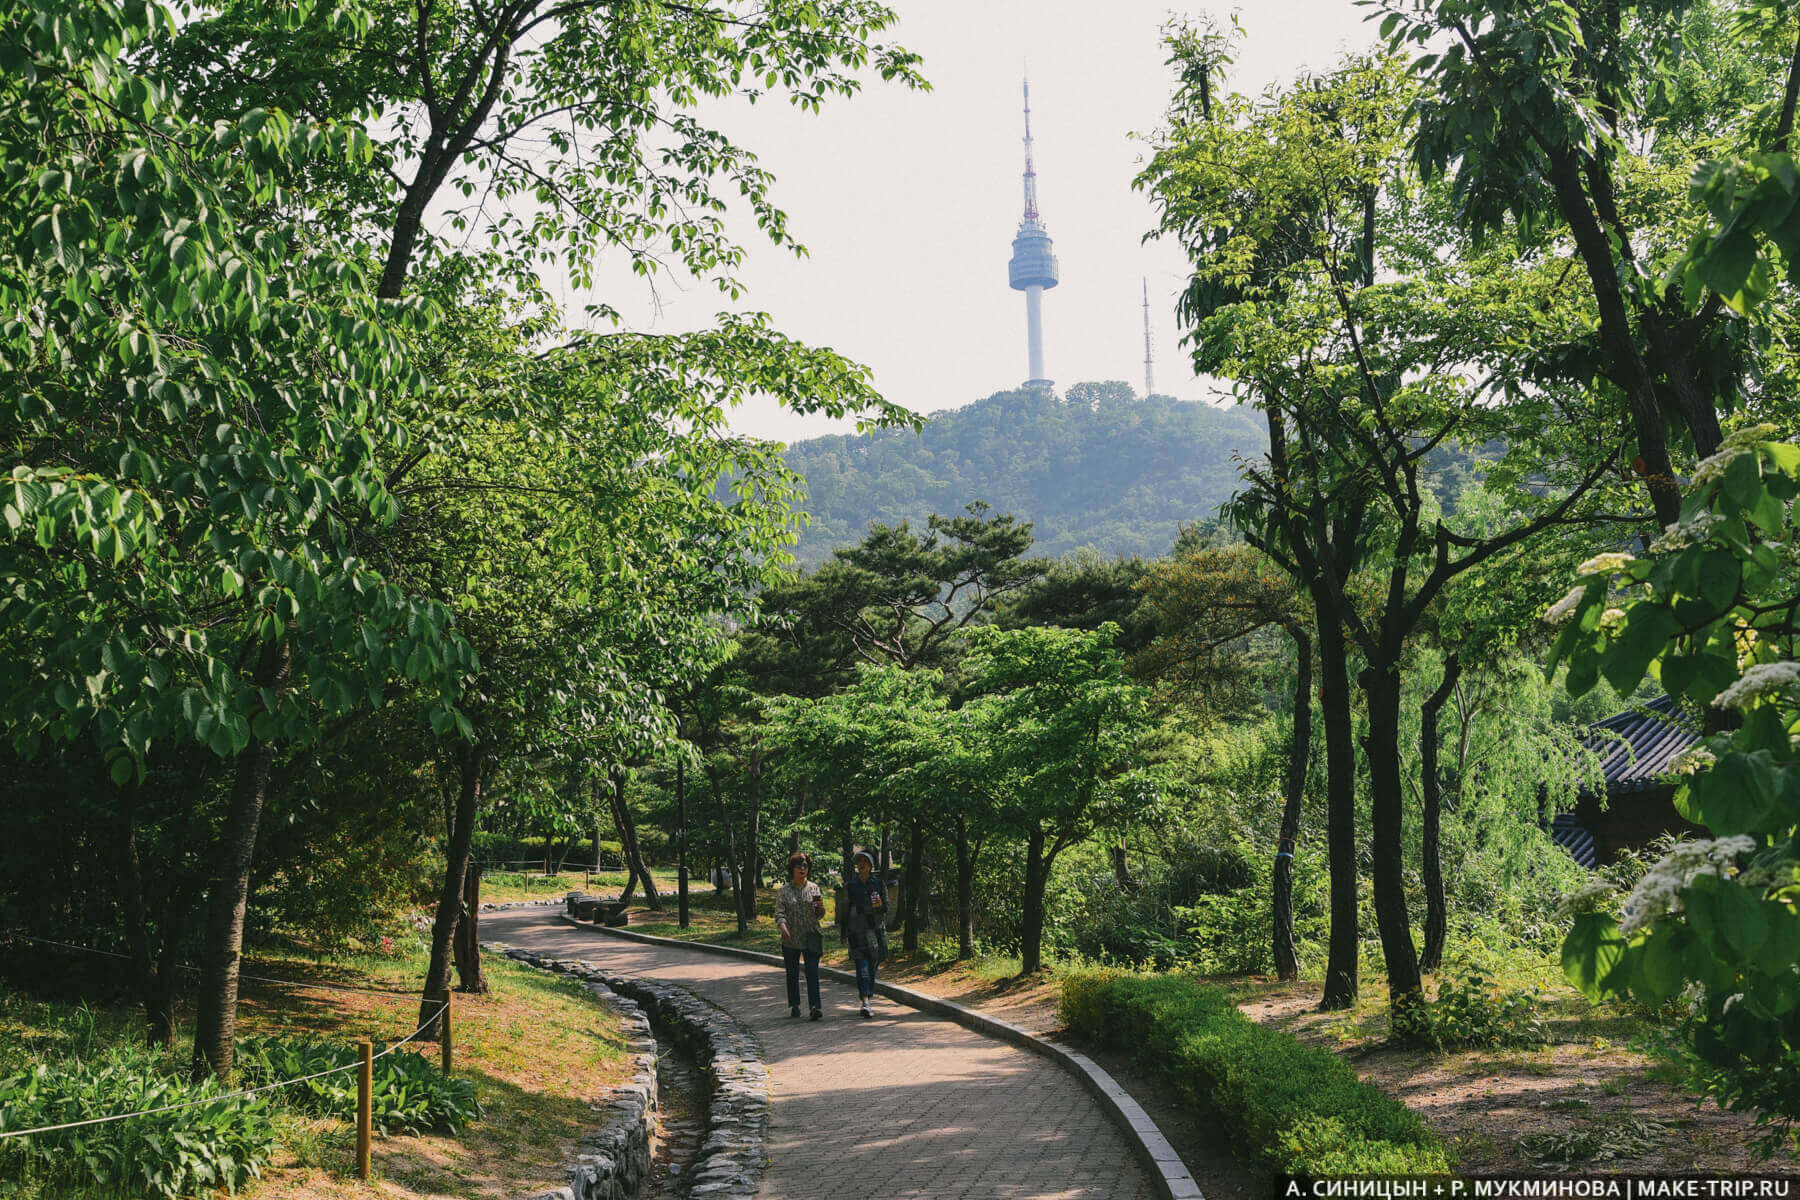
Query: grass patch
[538,1050]
[503,887]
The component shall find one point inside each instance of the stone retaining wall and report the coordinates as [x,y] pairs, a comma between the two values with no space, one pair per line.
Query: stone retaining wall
[732,1158]
[504,905]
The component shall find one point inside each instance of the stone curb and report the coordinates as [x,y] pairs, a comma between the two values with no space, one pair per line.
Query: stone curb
[507,905]
[613,1162]
[732,1158]
[1168,1173]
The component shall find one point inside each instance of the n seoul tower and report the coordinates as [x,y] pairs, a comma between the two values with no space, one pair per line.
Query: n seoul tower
[1033,266]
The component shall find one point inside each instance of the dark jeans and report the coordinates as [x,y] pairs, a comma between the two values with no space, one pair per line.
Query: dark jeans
[790,957]
[865,977]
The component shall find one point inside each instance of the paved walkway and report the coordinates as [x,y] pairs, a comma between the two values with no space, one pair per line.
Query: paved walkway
[903,1105]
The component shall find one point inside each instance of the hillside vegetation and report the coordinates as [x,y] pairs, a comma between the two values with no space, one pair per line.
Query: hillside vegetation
[1096,466]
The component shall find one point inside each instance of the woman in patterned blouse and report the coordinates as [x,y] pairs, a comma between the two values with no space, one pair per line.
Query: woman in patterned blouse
[798,909]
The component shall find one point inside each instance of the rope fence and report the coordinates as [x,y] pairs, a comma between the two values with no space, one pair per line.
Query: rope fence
[363,1064]
[237,1095]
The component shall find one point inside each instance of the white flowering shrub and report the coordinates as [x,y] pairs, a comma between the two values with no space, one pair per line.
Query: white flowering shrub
[1711,611]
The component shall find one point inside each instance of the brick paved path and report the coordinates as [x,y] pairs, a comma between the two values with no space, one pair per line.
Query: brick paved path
[903,1105]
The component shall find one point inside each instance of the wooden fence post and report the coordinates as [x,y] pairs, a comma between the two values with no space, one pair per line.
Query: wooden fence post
[365,1103]
[444,1040]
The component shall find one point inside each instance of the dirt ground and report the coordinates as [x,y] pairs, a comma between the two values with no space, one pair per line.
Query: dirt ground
[1588,1096]
[1589,1089]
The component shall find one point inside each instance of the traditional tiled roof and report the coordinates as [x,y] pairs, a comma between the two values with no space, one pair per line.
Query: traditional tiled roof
[1637,748]
[1575,839]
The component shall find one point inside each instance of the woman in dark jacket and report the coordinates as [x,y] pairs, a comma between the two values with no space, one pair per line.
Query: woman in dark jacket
[864,925]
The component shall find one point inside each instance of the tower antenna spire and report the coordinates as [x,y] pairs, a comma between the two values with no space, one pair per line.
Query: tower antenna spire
[1033,268]
[1031,205]
[1149,375]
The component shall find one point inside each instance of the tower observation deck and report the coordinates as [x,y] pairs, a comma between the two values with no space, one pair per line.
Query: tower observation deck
[1033,268]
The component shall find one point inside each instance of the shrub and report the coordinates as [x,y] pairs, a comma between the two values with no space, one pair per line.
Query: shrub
[1290,1107]
[1197,903]
[189,1152]
[409,1095]
[1470,1013]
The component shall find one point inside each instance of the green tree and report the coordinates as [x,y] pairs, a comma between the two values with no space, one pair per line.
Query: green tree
[584,113]
[1053,709]
[1340,298]
[200,396]
[1710,610]
[1581,120]
[1210,606]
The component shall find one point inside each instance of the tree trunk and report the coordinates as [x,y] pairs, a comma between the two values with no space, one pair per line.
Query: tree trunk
[1790,96]
[1431,786]
[1287,956]
[215,1020]
[731,855]
[175,907]
[965,891]
[681,843]
[471,765]
[1031,921]
[634,858]
[1122,868]
[1381,689]
[911,902]
[159,1021]
[467,943]
[1340,804]
[1629,369]
[752,872]
[799,815]
[884,860]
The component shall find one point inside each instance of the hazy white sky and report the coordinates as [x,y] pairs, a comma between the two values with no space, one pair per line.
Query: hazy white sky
[908,201]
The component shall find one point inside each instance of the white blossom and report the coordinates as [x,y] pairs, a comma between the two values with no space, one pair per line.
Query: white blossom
[1749,437]
[1584,899]
[1729,1001]
[1714,467]
[1565,608]
[1605,564]
[1692,761]
[1659,891]
[1764,679]
[1693,997]
[1690,532]
[1611,619]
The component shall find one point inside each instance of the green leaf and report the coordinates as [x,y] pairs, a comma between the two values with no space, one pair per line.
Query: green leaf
[1658,973]
[1764,728]
[1719,573]
[1593,957]
[1725,266]
[1649,626]
[1741,920]
[1737,795]
[1698,677]
[1742,484]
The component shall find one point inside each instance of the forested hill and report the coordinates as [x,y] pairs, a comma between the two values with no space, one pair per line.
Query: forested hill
[1095,466]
